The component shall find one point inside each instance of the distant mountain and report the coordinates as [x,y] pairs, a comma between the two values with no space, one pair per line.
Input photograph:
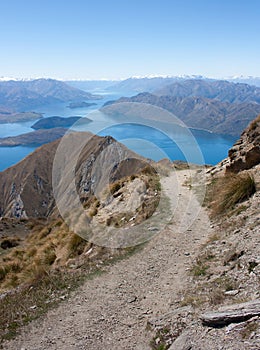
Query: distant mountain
[13,117]
[87,85]
[147,84]
[200,112]
[26,95]
[34,138]
[250,80]
[58,122]
[218,89]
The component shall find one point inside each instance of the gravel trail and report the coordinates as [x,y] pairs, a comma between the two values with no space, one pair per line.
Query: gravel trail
[111,311]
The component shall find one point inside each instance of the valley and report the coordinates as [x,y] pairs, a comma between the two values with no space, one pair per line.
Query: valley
[129,175]
[158,241]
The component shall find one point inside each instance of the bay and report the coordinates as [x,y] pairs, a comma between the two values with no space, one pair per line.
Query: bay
[143,140]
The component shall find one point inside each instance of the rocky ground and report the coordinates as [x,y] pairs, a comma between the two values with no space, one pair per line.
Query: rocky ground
[155,298]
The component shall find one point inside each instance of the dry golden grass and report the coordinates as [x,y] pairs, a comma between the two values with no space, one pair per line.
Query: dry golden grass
[253,125]
[38,252]
[227,191]
[76,245]
[42,287]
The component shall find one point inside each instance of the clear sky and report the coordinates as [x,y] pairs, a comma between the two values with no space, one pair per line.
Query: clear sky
[119,38]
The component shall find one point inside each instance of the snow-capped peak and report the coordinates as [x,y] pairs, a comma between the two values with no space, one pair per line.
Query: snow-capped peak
[182,76]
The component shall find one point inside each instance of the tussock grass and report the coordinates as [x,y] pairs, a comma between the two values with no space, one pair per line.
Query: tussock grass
[253,125]
[227,191]
[76,245]
[115,187]
[46,287]
[38,252]
[193,299]
[39,273]
[34,299]
[199,269]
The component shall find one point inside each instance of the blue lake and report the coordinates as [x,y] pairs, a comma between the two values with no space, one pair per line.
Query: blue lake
[147,141]
[198,146]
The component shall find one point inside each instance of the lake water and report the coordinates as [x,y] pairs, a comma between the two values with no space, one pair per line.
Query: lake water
[199,147]
[149,142]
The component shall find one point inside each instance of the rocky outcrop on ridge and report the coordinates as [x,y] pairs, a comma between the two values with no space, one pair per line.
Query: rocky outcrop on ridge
[245,153]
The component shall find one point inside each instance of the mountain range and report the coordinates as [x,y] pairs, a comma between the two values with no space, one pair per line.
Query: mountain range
[199,112]
[220,89]
[188,287]
[153,83]
[25,95]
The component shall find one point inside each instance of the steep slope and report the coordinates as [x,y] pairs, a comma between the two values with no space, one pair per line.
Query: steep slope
[158,298]
[26,188]
[200,112]
[131,294]
[245,154]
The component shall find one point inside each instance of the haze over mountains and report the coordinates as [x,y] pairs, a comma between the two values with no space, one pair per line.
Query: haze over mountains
[153,83]
[220,89]
[218,106]
[25,95]
[214,263]
[200,112]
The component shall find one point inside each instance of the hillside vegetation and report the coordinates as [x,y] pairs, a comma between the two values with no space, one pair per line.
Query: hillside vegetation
[194,285]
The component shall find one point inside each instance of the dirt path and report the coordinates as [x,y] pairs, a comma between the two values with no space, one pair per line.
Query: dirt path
[111,311]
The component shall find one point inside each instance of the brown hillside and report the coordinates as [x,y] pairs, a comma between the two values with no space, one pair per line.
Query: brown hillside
[26,188]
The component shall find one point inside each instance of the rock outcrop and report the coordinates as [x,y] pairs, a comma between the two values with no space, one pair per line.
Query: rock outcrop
[245,154]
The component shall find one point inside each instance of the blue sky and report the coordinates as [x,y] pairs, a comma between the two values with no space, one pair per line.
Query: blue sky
[119,38]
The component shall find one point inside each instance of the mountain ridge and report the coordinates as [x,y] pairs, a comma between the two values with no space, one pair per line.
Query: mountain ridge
[196,267]
[25,95]
[26,188]
[214,115]
[219,89]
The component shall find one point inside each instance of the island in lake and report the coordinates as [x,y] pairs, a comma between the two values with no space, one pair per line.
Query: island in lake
[13,117]
[82,104]
[34,138]
[59,122]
